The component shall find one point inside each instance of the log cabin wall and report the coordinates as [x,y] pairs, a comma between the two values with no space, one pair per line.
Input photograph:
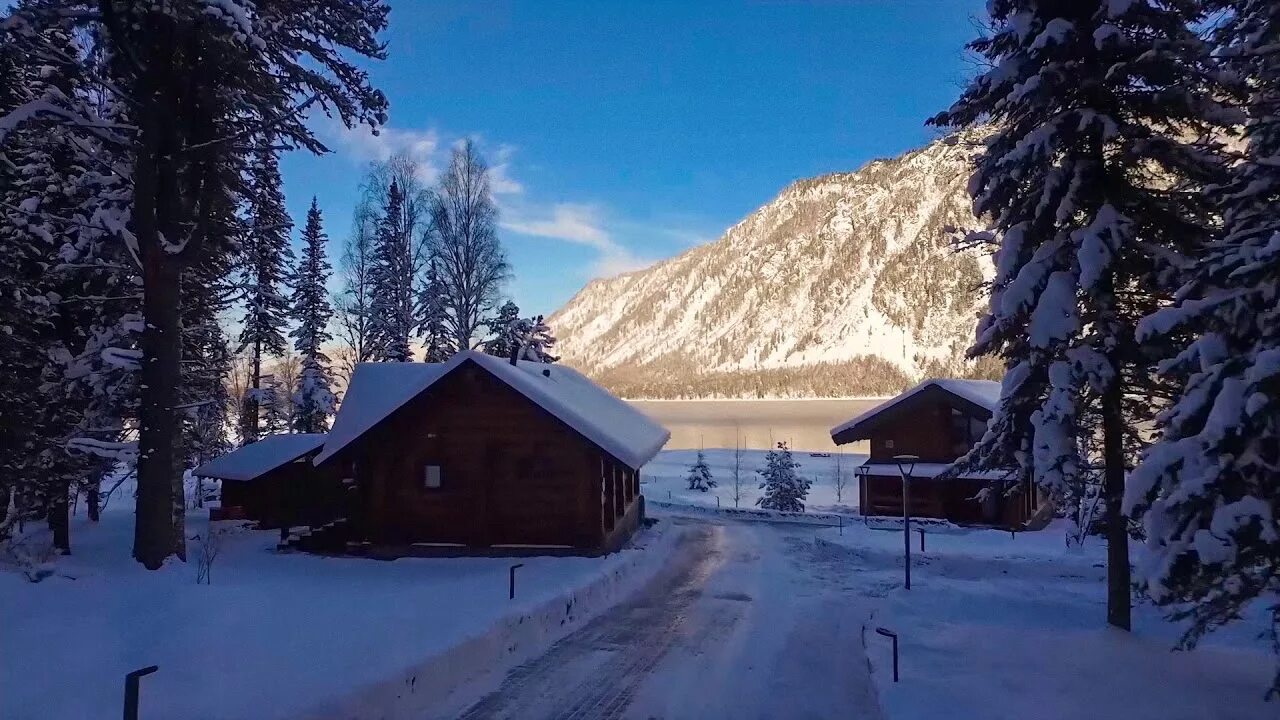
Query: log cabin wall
[510,473]
[934,425]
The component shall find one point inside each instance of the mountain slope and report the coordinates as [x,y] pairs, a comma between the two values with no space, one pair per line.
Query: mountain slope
[843,284]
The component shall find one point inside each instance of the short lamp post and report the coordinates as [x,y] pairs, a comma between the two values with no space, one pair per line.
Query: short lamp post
[906,463]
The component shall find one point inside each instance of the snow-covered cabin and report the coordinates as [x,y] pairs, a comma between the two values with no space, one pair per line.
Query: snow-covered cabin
[273,482]
[938,421]
[481,454]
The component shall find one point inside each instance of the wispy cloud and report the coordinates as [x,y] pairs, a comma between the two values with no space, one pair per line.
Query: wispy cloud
[362,145]
[501,181]
[577,223]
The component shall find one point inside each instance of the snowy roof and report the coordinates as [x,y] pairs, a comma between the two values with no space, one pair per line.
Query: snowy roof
[260,457]
[984,393]
[378,389]
[932,470]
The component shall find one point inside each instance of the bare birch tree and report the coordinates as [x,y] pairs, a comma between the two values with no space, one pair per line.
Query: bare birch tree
[352,305]
[464,240]
[839,479]
[738,483]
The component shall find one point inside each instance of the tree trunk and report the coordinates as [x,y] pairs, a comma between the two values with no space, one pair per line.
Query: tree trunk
[93,501]
[1118,591]
[154,215]
[250,419]
[59,516]
[161,340]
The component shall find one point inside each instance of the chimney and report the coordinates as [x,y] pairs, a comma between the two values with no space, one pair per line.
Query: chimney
[515,354]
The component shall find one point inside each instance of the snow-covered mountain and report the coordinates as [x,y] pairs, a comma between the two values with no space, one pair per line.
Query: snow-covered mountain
[845,283]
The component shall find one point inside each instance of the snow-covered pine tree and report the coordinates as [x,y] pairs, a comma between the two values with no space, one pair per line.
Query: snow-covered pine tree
[391,280]
[274,406]
[537,342]
[784,488]
[1091,174]
[43,205]
[264,263]
[24,312]
[1209,487]
[313,397]
[187,111]
[700,474]
[504,331]
[464,237]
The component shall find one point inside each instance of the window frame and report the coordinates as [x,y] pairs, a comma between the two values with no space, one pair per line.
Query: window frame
[426,477]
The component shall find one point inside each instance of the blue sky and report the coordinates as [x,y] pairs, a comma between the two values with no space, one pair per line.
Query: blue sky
[621,133]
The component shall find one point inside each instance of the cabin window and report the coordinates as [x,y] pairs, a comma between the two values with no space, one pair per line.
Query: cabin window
[431,477]
[888,444]
[966,431]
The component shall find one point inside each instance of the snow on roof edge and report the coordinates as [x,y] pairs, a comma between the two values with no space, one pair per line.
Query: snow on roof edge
[975,391]
[257,458]
[570,403]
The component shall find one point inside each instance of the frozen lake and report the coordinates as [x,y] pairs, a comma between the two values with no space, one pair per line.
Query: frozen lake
[805,424]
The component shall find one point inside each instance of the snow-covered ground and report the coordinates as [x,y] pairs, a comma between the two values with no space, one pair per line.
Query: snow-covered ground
[998,627]
[278,635]
[663,479]
[714,618]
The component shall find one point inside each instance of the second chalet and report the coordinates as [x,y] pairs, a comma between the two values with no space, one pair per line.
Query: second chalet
[938,421]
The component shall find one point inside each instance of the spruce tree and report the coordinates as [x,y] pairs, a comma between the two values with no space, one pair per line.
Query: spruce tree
[783,487]
[504,331]
[391,282]
[537,341]
[313,396]
[436,340]
[1091,176]
[265,258]
[1209,487]
[699,477]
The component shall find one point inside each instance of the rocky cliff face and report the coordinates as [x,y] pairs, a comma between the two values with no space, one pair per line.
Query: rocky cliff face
[843,284]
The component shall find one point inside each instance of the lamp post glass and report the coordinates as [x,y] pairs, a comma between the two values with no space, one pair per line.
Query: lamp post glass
[906,463]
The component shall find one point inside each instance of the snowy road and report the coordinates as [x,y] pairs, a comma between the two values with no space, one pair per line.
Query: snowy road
[756,622]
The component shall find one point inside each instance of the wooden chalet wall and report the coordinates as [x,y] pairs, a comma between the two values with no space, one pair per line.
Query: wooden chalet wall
[511,473]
